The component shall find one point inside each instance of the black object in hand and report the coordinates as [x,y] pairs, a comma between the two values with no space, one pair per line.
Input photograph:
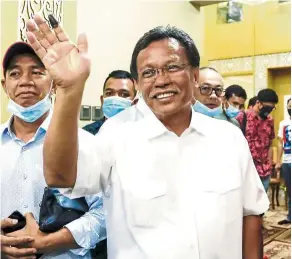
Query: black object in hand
[54,23]
[20,224]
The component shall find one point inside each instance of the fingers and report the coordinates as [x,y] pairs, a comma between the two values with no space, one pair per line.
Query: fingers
[45,29]
[30,220]
[82,43]
[15,241]
[41,37]
[35,44]
[14,252]
[7,222]
[29,216]
[60,34]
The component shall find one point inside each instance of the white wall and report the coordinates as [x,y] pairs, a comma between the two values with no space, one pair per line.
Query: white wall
[114,27]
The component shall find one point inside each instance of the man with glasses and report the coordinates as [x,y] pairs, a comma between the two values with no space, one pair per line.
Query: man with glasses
[209,96]
[259,132]
[161,191]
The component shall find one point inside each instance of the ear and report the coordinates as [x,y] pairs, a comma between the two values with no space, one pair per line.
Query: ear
[101,100]
[195,72]
[136,85]
[54,88]
[3,85]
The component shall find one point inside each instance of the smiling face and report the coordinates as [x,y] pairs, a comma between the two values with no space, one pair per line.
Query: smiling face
[165,78]
[26,80]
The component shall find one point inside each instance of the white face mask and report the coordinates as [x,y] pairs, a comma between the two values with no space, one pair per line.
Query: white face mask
[31,113]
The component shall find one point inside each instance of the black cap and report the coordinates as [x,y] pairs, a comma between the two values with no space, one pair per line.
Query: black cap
[15,49]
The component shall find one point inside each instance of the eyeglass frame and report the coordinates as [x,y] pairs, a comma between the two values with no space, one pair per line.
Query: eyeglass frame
[213,90]
[164,71]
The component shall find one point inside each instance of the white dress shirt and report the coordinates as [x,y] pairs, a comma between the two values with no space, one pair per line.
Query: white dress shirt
[22,187]
[170,197]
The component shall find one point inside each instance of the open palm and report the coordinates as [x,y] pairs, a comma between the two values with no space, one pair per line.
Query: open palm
[67,64]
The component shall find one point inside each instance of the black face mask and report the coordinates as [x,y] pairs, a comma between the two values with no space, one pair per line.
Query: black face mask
[265,111]
[289,111]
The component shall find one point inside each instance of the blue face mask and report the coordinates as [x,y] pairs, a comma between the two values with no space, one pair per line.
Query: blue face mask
[231,111]
[201,108]
[114,105]
[32,113]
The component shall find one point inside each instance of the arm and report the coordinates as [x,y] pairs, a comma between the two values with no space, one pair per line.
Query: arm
[255,202]
[270,154]
[69,69]
[271,141]
[61,240]
[280,146]
[44,243]
[252,237]
[60,157]
[90,229]
[280,152]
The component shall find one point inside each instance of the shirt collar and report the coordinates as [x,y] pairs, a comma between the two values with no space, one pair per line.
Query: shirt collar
[6,132]
[152,126]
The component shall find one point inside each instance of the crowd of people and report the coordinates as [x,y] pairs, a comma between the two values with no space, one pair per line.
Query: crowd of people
[176,168]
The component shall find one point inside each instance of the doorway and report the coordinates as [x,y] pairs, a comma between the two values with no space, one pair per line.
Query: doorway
[279,79]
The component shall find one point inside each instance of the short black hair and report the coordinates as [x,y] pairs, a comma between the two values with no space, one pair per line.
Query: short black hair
[165,32]
[237,90]
[288,101]
[209,68]
[119,74]
[268,95]
[252,101]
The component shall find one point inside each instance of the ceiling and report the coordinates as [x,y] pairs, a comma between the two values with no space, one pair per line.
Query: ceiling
[198,4]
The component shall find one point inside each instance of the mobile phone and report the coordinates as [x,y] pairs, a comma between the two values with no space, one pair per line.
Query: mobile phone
[20,224]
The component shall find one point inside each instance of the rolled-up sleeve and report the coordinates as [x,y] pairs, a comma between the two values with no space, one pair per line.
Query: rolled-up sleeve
[89,229]
[95,158]
[255,199]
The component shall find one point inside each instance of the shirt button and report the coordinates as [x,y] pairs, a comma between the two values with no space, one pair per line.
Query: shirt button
[24,176]
[24,148]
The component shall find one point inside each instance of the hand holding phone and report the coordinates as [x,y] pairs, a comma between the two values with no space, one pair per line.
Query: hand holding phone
[11,246]
[19,225]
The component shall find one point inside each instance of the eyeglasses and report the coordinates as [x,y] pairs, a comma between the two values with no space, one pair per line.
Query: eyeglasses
[208,90]
[150,74]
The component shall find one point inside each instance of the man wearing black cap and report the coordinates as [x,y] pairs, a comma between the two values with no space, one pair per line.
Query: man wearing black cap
[29,87]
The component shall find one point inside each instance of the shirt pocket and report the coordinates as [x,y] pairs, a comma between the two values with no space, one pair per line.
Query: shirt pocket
[146,204]
[223,200]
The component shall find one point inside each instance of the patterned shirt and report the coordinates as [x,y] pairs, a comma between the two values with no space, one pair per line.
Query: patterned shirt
[22,187]
[259,135]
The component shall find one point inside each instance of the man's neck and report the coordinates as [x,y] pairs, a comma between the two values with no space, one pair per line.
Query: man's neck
[26,130]
[177,122]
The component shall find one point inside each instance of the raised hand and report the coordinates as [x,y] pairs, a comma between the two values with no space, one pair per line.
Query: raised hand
[67,64]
